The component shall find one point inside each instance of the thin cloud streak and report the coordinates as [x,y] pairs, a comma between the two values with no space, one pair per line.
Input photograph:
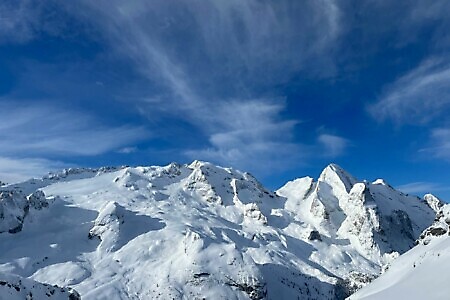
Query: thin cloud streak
[419,96]
[14,170]
[24,20]
[333,145]
[42,131]
[439,145]
[226,44]
[420,188]
[248,133]
[229,51]
[18,21]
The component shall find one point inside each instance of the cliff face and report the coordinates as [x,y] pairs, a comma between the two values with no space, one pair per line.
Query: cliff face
[420,273]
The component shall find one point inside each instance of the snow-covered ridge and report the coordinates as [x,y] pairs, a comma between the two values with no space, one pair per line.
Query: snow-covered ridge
[18,288]
[372,221]
[199,230]
[440,226]
[421,272]
[15,206]
[68,174]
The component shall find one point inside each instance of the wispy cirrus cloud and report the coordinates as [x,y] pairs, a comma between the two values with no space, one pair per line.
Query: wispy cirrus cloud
[333,145]
[228,40]
[249,135]
[14,170]
[18,22]
[421,97]
[24,20]
[127,150]
[439,144]
[37,138]
[42,130]
[212,62]
[420,188]
[417,97]
[215,65]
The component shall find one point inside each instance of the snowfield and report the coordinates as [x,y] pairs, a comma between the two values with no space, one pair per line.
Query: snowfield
[201,231]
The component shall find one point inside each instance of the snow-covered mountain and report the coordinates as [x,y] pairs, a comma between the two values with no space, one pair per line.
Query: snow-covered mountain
[18,288]
[363,226]
[420,273]
[200,231]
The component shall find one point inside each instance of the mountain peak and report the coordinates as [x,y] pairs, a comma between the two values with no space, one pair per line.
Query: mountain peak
[196,164]
[434,202]
[334,175]
[374,217]
[380,181]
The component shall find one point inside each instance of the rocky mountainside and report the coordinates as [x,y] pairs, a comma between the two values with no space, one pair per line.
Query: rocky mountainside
[201,231]
[363,226]
[420,273]
[18,288]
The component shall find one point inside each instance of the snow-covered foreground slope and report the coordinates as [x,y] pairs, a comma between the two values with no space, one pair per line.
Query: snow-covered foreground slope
[201,231]
[422,272]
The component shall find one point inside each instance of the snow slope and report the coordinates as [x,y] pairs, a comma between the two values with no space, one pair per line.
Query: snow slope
[17,288]
[362,226]
[420,273]
[200,231]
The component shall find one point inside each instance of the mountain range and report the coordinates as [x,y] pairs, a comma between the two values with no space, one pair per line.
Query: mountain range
[200,231]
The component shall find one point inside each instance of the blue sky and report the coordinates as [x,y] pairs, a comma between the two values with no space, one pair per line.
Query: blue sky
[277,88]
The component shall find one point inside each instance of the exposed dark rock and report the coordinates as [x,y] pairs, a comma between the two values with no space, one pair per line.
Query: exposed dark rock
[354,282]
[29,289]
[255,292]
[37,200]
[314,235]
[433,231]
[16,229]
[440,226]
[13,209]
[437,231]
[199,275]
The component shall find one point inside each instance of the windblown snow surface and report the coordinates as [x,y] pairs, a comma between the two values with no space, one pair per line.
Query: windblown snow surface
[200,231]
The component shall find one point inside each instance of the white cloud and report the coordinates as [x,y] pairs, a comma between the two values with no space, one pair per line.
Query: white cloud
[202,54]
[421,97]
[14,170]
[198,55]
[23,20]
[127,150]
[439,145]
[41,131]
[419,188]
[200,49]
[249,135]
[333,145]
[17,21]
[417,97]
[264,158]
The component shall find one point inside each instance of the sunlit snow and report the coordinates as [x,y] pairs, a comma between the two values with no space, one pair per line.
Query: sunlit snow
[200,231]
